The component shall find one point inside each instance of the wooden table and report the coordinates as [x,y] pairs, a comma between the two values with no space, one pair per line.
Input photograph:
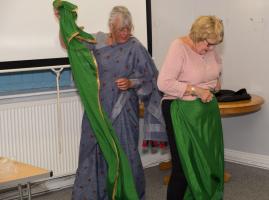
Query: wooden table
[228,109]
[237,108]
[18,174]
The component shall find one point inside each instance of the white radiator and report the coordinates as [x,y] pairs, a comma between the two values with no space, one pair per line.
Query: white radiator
[29,133]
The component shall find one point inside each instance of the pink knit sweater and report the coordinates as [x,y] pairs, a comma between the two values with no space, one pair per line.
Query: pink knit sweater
[183,66]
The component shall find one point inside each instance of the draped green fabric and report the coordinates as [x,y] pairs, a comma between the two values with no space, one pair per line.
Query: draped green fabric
[199,139]
[120,182]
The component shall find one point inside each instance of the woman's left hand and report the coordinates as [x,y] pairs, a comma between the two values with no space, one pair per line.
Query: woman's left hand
[204,94]
[218,86]
[123,83]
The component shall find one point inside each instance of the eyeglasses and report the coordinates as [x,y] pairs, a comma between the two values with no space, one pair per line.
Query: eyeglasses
[209,44]
[123,29]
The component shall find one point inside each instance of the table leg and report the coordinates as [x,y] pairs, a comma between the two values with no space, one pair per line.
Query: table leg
[20,192]
[29,191]
[165,165]
[227,176]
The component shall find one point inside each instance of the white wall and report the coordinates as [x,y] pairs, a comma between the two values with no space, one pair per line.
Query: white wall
[245,53]
[30,30]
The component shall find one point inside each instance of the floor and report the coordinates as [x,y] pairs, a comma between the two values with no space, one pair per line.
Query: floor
[247,183]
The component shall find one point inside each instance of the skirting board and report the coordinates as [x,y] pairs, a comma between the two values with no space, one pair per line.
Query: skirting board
[249,159]
[54,184]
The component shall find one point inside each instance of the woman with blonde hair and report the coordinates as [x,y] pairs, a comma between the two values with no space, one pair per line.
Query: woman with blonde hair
[188,78]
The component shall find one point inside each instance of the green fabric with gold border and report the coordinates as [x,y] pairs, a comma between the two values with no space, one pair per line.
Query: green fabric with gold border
[120,181]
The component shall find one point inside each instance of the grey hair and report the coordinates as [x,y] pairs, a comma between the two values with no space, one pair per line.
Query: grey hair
[122,14]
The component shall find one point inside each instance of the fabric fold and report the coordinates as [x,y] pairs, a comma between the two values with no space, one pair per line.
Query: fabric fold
[198,133]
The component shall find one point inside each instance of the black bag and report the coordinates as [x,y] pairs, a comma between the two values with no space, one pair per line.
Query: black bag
[230,95]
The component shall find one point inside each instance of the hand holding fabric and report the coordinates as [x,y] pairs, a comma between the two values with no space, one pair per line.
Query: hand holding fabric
[123,83]
[218,86]
[204,94]
[56,13]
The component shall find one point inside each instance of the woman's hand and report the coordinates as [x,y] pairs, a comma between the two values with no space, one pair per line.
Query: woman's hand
[123,83]
[218,86]
[56,13]
[204,94]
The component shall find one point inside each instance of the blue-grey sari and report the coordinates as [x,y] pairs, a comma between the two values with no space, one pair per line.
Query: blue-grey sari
[128,60]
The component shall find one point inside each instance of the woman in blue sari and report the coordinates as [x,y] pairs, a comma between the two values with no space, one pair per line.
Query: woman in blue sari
[127,76]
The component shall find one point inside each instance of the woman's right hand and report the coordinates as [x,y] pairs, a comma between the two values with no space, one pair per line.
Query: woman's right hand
[124,83]
[56,13]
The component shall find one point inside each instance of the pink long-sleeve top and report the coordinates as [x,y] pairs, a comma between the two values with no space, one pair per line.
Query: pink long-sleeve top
[183,66]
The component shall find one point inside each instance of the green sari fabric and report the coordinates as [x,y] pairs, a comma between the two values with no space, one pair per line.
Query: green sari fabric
[199,140]
[120,181]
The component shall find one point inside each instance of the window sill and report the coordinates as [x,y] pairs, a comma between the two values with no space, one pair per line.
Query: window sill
[35,94]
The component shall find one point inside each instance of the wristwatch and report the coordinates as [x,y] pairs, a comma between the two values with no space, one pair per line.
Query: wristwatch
[193,91]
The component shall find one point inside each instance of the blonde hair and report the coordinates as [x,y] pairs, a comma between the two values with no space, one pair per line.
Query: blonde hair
[122,14]
[207,27]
